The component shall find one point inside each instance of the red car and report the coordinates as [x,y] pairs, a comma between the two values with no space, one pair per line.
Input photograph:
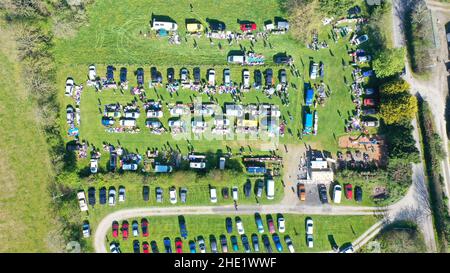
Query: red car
[125,230]
[115,229]
[369,102]
[145,247]
[179,246]
[271,226]
[248,27]
[349,191]
[144,227]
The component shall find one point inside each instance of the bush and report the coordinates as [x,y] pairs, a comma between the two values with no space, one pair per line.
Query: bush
[389,62]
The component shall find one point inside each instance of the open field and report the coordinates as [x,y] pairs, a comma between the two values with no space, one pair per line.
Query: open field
[25,168]
[343,229]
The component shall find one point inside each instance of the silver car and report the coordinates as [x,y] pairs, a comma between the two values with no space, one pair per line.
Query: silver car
[112,197]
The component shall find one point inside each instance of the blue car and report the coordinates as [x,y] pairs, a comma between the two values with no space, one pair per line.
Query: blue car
[259,223]
[140,76]
[167,245]
[192,247]
[136,246]
[234,243]
[229,224]
[107,121]
[244,239]
[110,73]
[183,230]
[266,242]
[123,74]
[255,242]
[276,240]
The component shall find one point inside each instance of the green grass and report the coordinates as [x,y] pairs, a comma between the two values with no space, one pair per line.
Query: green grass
[104,41]
[343,228]
[25,169]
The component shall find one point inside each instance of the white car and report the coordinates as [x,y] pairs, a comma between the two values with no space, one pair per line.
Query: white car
[121,194]
[314,71]
[234,193]
[94,165]
[281,225]
[361,39]
[309,241]
[176,123]
[173,195]
[212,77]
[201,245]
[177,111]
[82,200]
[70,83]
[337,193]
[92,73]
[289,244]
[114,248]
[246,78]
[240,226]
[309,226]
[155,114]
[112,197]
[222,122]
[213,195]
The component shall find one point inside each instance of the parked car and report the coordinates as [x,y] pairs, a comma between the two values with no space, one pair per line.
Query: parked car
[183,229]
[234,243]
[266,243]
[178,245]
[212,77]
[135,228]
[86,229]
[140,76]
[183,195]
[246,78]
[283,77]
[247,188]
[369,102]
[102,195]
[255,242]
[283,59]
[136,246]
[159,195]
[269,77]
[314,71]
[173,195]
[125,226]
[372,123]
[112,196]
[234,193]
[229,224]
[121,194]
[309,241]
[239,226]
[192,247]
[276,240]
[197,78]
[167,245]
[358,194]
[227,77]
[245,27]
[245,243]
[347,249]
[259,223]
[361,39]
[93,167]
[213,195]
[213,244]
[115,229]
[258,79]
[92,73]
[145,193]
[271,225]
[289,244]
[70,83]
[259,188]
[170,75]
[225,193]
[301,191]
[91,196]
[223,243]
[337,194]
[309,226]
[112,161]
[323,193]
[114,248]
[184,75]
[201,244]
[281,225]
[145,247]
[349,191]
[154,247]
[82,200]
[144,227]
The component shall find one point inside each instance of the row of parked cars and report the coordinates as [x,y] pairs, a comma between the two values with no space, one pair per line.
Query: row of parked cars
[110,196]
[337,193]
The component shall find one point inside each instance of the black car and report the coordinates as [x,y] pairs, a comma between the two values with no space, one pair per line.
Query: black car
[102,195]
[217,26]
[229,224]
[358,194]
[170,75]
[225,193]
[266,243]
[112,162]
[91,196]
[244,239]
[269,77]
[259,188]
[283,76]
[136,246]
[213,243]
[283,59]
[323,194]
[110,73]
[258,79]
[197,75]
[154,247]
[247,188]
[145,193]
[154,74]
[123,74]
[140,76]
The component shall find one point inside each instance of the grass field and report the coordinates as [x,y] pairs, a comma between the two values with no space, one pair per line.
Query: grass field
[25,168]
[118,42]
[344,229]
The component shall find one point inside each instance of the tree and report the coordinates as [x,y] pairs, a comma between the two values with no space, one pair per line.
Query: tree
[389,62]
[398,109]
[395,87]
[335,8]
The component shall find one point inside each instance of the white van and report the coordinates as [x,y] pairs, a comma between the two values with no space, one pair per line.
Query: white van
[337,193]
[169,26]
[270,187]
[222,163]
[128,122]
[213,195]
